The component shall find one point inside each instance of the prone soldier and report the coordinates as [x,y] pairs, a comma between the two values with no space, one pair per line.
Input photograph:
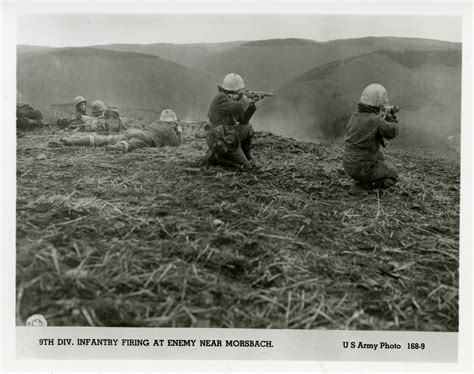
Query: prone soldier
[165,132]
[75,119]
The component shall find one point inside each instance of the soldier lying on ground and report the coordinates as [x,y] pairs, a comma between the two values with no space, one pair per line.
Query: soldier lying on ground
[365,132]
[165,132]
[229,132]
[80,105]
[99,109]
[76,118]
[104,127]
[105,132]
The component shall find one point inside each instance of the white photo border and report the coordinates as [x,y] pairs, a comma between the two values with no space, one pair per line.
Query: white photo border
[10,10]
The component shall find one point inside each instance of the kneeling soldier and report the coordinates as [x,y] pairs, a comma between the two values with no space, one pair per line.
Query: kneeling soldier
[229,133]
[365,132]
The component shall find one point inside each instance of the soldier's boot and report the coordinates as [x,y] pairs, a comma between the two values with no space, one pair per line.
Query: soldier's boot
[86,140]
[204,160]
[384,183]
[121,146]
[388,182]
[359,189]
[246,145]
[55,144]
[233,165]
[236,158]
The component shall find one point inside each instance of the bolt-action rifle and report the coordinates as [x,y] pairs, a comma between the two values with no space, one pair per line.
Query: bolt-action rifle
[389,114]
[258,94]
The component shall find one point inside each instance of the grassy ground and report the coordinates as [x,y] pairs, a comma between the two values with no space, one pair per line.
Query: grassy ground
[142,239]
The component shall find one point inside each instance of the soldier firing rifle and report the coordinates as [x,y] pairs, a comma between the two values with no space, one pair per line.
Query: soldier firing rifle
[229,133]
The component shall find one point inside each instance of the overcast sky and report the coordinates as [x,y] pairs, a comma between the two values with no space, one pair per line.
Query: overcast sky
[80,29]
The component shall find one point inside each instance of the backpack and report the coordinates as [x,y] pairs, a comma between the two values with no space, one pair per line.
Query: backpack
[221,139]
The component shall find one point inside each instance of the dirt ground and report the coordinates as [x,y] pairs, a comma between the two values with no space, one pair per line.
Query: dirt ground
[145,239]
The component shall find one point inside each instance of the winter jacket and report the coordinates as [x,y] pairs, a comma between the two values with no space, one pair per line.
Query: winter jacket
[363,136]
[159,134]
[225,111]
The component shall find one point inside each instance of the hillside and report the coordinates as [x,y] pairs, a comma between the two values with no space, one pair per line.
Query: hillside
[425,84]
[127,80]
[217,47]
[24,48]
[318,84]
[190,55]
[187,55]
[267,64]
[142,239]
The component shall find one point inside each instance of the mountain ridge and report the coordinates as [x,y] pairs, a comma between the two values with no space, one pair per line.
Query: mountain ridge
[425,84]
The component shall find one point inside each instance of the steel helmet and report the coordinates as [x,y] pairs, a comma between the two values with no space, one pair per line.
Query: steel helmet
[98,106]
[78,100]
[168,116]
[233,82]
[375,95]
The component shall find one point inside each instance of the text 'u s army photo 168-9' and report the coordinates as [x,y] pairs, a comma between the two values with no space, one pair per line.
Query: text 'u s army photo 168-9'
[308,180]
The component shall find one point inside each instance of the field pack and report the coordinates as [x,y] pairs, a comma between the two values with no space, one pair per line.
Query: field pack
[28,117]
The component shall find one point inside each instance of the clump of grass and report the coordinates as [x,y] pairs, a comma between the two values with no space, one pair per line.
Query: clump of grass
[145,239]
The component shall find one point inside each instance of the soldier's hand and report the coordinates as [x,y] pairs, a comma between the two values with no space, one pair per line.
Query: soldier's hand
[391,117]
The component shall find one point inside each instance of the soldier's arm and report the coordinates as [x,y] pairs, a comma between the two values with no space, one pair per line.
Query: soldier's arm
[388,130]
[228,106]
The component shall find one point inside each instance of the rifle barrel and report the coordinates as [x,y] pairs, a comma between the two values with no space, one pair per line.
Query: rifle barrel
[259,93]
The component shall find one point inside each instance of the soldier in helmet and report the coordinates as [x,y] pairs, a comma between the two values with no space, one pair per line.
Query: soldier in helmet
[80,105]
[165,132]
[98,108]
[229,133]
[76,118]
[103,127]
[364,134]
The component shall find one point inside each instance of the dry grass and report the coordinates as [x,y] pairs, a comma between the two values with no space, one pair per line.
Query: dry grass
[143,239]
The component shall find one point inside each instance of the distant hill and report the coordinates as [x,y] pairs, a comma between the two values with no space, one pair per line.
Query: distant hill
[318,84]
[217,47]
[187,55]
[267,64]
[425,84]
[190,55]
[127,80]
[24,48]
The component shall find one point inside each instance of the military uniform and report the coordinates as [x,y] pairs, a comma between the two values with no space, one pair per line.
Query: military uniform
[229,134]
[362,159]
[156,134]
[104,130]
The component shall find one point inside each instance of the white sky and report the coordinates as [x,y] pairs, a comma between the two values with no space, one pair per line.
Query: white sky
[60,30]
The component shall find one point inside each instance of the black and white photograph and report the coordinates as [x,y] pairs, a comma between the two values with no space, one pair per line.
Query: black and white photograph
[238,171]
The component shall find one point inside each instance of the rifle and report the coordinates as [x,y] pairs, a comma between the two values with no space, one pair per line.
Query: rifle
[389,114]
[194,124]
[258,94]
